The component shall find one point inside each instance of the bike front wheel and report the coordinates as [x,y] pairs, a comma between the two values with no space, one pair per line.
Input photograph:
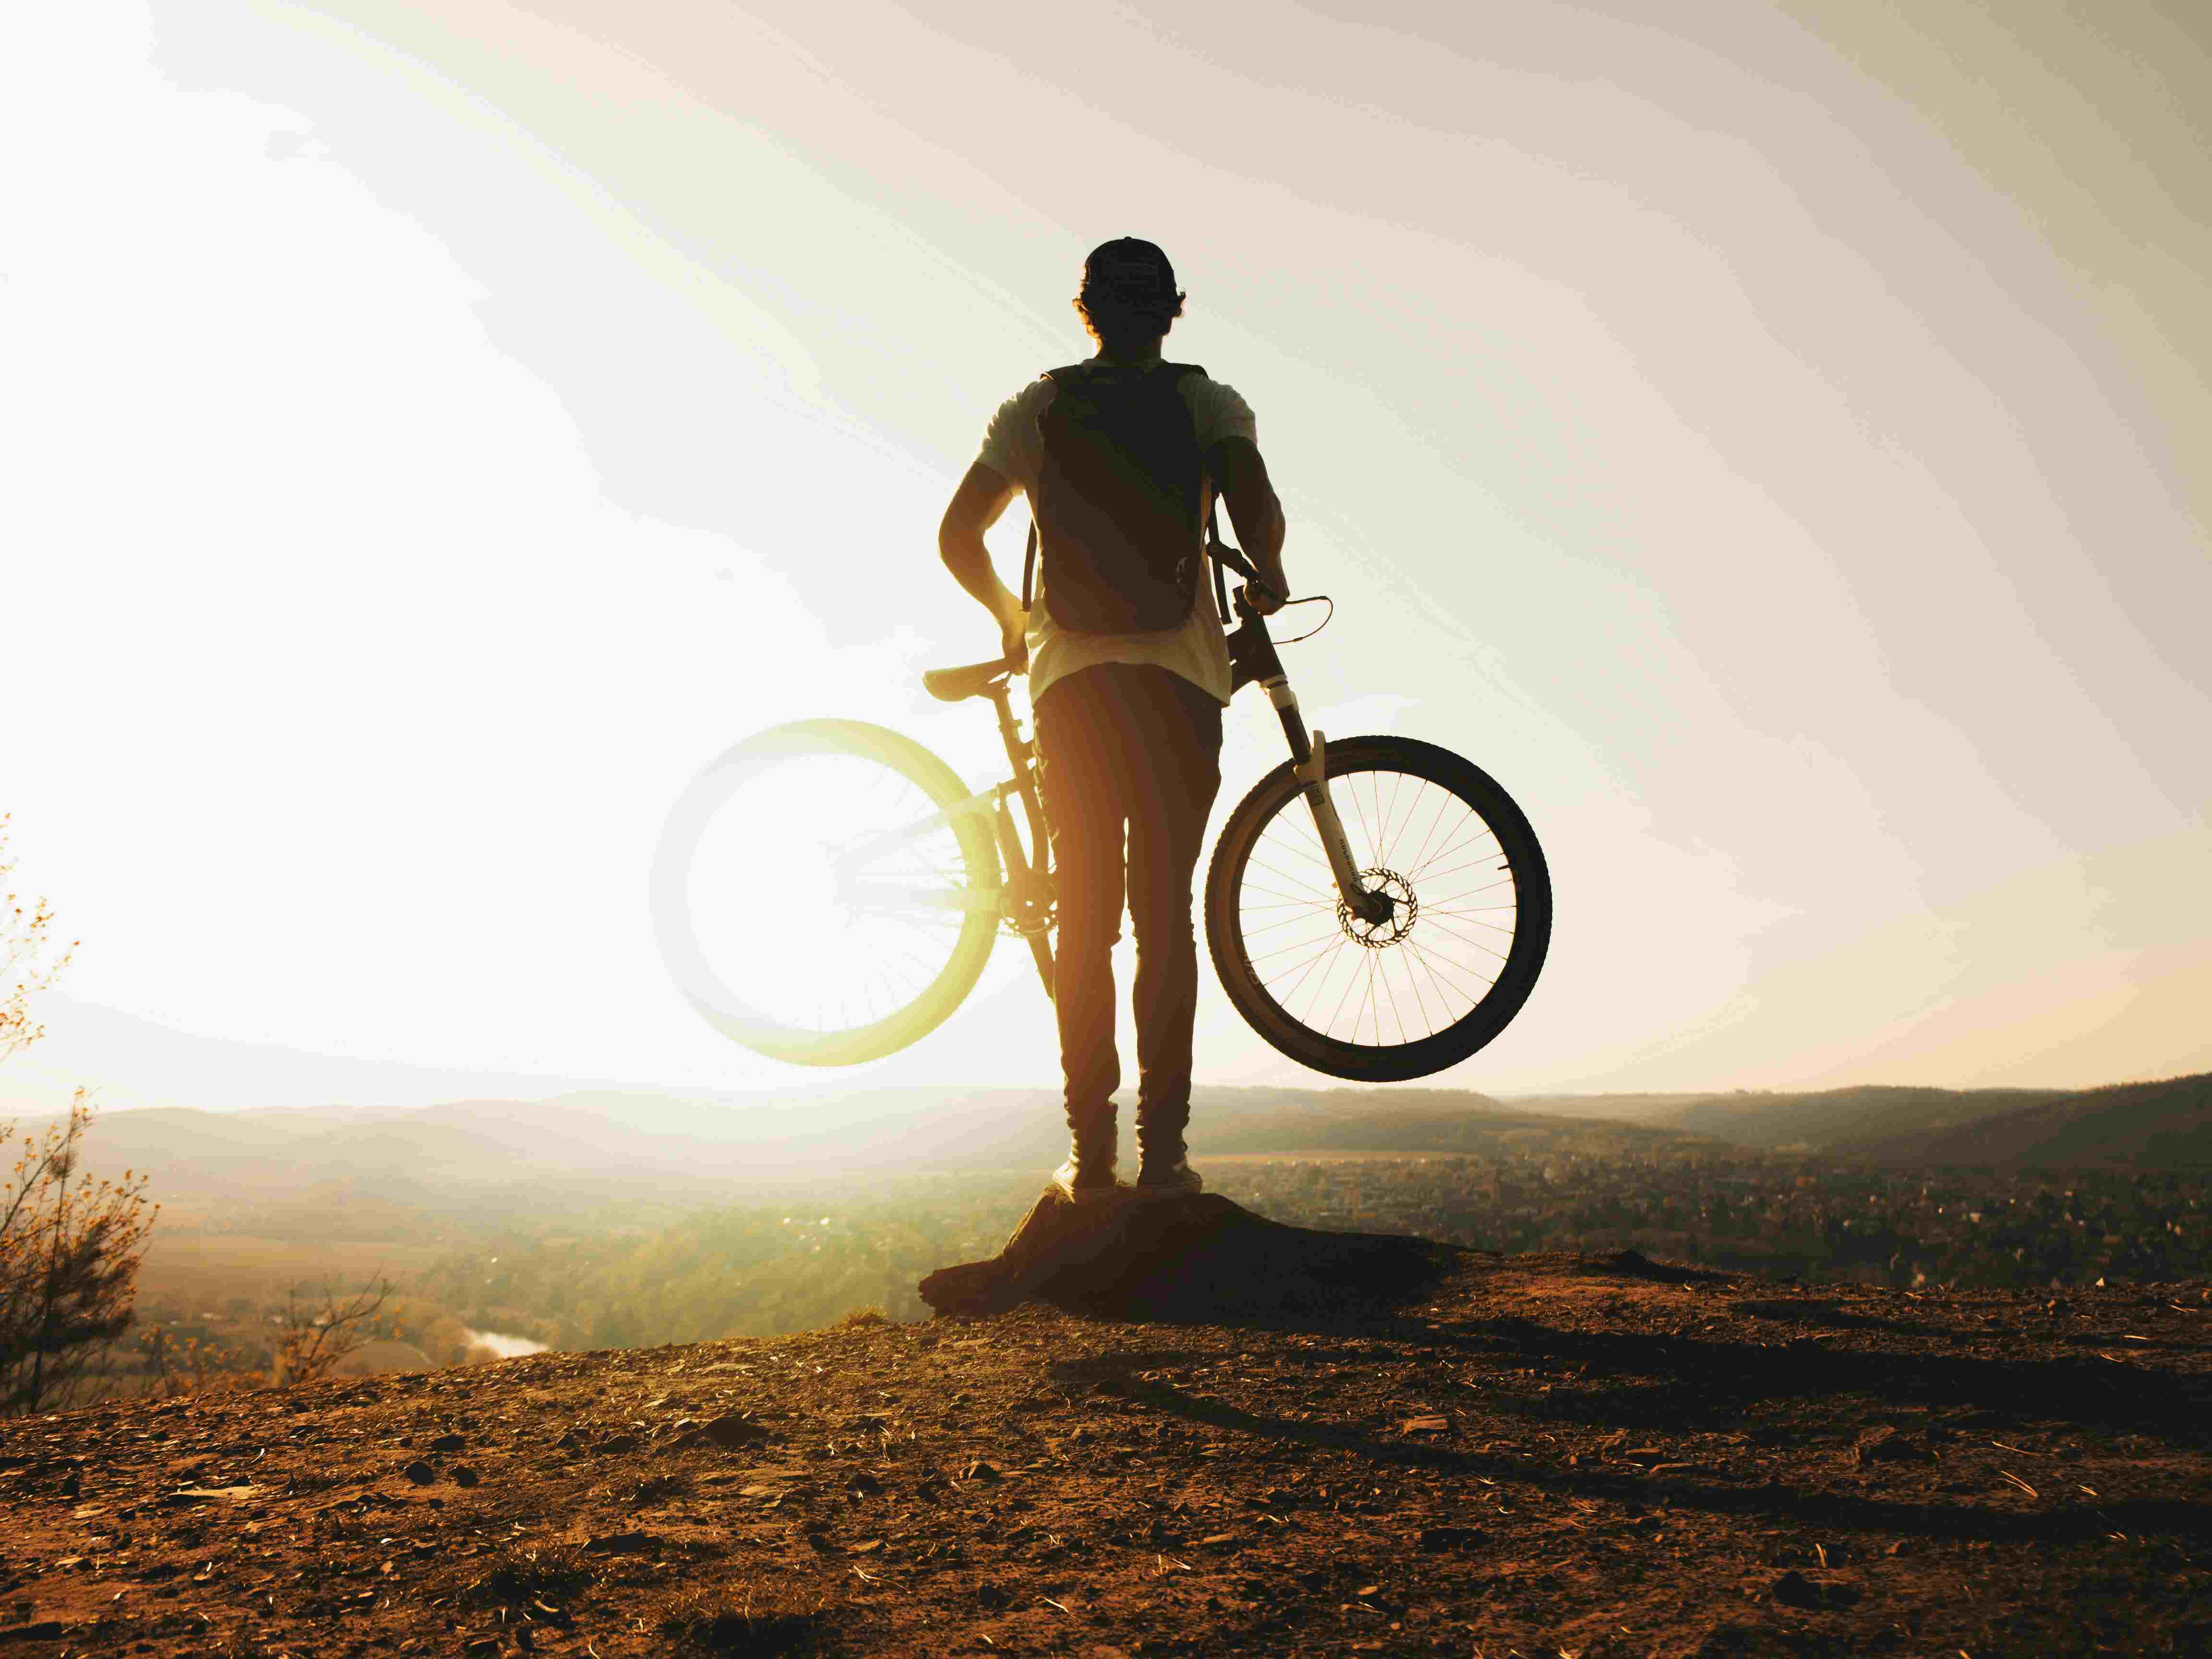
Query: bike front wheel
[1380,1001]
[827,893]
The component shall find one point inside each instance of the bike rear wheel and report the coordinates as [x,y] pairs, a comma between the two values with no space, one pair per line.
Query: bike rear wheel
[1471,912]
[815,900]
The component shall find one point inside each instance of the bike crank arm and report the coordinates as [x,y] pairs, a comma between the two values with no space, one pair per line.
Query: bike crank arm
[1310,766]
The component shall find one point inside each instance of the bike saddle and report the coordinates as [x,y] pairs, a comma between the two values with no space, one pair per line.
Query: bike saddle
[952,684]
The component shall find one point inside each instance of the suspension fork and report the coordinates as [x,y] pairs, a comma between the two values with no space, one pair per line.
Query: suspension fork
[1309,764]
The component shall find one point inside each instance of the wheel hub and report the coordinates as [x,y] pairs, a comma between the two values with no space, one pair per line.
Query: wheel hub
[1382,933]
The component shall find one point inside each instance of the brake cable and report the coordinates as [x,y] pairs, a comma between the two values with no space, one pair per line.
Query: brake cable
[1311,598]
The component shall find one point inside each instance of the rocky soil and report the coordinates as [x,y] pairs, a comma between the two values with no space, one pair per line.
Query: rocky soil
[1372,1446]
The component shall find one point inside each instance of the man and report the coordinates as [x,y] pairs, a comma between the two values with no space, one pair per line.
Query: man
[1120,458]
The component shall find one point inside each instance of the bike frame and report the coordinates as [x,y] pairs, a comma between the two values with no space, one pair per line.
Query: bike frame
[1027,892]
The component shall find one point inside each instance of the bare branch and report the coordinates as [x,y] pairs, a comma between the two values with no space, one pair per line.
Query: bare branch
[317,1335]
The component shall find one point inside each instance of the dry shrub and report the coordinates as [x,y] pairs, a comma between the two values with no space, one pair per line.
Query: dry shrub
[69,1247]
[522,1574]
[69,1250]
[22,943]
[747,1621]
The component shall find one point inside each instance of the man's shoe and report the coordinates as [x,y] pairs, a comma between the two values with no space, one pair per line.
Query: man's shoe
[1086,1182]
[1087,1177]
[1159,1179]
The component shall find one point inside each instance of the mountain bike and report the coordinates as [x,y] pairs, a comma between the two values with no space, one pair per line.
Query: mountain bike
[1376,908]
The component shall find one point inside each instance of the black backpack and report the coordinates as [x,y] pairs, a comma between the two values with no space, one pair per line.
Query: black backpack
[1115,513]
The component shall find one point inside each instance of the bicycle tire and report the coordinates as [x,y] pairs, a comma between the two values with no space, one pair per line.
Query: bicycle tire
[709,993]
[1229,932]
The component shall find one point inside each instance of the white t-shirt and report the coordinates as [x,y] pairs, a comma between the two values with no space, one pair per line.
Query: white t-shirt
[1013,447]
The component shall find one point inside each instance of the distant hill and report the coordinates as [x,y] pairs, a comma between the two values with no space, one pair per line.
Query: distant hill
[2164,1125]
[595,1143]
[1837,1120]
[598,1142]
[1833,1118]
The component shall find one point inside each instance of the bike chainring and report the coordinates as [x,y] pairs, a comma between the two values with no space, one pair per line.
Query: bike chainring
[1027,908]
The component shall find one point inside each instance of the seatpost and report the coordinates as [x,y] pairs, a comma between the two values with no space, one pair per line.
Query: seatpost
[1010,729]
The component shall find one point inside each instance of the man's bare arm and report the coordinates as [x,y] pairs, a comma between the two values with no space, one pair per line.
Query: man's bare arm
[975,506]
[1254,509]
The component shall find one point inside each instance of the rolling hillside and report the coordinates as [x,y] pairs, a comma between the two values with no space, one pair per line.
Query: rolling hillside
[2164,1125]
[475,1151]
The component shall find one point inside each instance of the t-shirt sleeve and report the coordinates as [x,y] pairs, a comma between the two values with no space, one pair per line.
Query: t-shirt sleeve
[1011,444]
[1217,412]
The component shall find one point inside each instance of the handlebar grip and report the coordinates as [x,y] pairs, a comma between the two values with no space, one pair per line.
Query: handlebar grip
[1244,605]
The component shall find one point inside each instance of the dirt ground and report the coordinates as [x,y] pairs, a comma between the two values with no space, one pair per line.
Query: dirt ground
[1540,1455]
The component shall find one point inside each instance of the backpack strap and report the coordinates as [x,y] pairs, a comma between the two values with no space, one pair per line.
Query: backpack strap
[1029,556]
[1212,542]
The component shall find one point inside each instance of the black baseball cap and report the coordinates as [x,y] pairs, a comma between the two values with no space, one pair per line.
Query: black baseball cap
[1131,267]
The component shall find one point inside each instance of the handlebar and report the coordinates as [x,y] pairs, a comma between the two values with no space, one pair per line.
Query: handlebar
[1235,560]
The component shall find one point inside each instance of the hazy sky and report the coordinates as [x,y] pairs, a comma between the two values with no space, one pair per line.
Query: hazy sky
[1771,440]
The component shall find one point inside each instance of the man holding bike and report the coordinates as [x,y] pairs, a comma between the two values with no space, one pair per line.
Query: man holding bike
[1120,458]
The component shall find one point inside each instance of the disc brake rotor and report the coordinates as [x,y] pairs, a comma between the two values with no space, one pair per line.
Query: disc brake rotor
[1381,935]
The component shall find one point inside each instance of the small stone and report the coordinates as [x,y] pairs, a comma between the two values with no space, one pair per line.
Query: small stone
[466,1476]
[1884,1444]
[623,1543]
[1794,1589]
[616,1444]
[979,1470]
[449,1442]
[420,1473]
[731,1431]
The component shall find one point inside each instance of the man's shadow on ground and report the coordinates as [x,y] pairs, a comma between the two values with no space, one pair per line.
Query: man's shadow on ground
[1204,1261]
[1124,1376]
